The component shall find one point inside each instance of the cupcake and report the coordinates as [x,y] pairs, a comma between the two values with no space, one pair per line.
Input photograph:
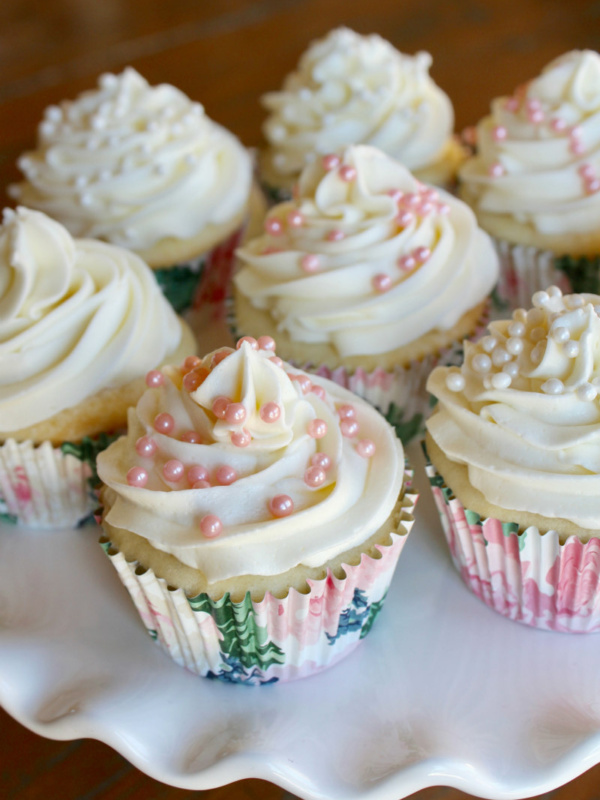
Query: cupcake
[513,445]
[81,323]
[367,276]
[144,168]
[352,89]
[255,517]
[535,179]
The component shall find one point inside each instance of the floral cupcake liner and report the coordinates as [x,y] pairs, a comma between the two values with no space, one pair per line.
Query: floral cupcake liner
[47,487]
[274,639]
[528,577]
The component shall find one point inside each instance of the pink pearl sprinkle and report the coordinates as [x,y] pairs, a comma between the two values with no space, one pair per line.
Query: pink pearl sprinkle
[314,477]
[173,470]
[443,209]
[319,391]
[499,133]
[533,104]
[277,361]
[382,282]
[321,460]
[219,356]
[303,381]
[211,526]
[273,226]
[225,475]
[426,208]
[536,116]
[511,104]
[281,505]
[137,476]
[558,124]
[295,219]
[219,406]
[191,437]
[201,485]
[411,200]
[197,473]
[365,448]
[241,438]
[192,381]
[270,412]
[405,218]
[330,161]
[496,170]
[576,147]
[592,185]
[310,262]
[587,171]
[349,428]
[395,194]
[317,428]
[346,412]
[335,235]
[250,340]
[266,343]
[430,194]
[347,173]
[407,262]
[575,132]
[190,362]
[154,378]
[146,447]
[164,423]
[422,253]
[235,413]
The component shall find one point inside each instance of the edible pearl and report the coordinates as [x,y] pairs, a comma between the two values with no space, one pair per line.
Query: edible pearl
[219,356]
[405,218]
[235,413]
[347,173]
[249,340]
[270,412]
[197,473]
[499,133]
[319,391]
[335,235]
[407,262]
[173,470]
[314,477]
[365,448]
[560,334]
[586,392]
[137,476]
[382,282]
[273,226]
[211,526]
[501,380]
[191,437]
[540,299]
[349,428]
[201,485]
[295,219]
[225,475]
[241,438]
[266,343]
[277,361]
[146,447]
[317,428]
[554,291]
[512,369]
[500,356]
[496,170]
[516,329]
[481,363]
[190,362]
[220,405]
[154,378]
[321,460]
[455,382]
[303,381]
[553,386]
[572,349]
[192,381]
[574,301]
[164,423]
[330,161]
[346,412]
[422,254]
[514,346]
[488,343]
[310,262]
[281,505]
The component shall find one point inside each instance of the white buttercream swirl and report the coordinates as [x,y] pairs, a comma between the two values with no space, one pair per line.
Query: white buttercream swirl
[76,316]
[538,153]
[339,303]
[526,421]
[350,88]
[134,164]
[356,498]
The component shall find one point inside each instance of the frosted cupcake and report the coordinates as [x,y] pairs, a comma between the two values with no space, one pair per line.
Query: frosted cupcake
[255,517]
[369,276]
[535,180]
[515,469]
[81,323]
[144,168]
[352,89]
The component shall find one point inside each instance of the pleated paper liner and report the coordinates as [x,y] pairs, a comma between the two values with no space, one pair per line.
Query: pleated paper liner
[48,487]
[275,639]
[529,577]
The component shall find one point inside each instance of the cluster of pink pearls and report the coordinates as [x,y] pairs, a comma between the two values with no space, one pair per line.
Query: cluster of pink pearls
[591,182]
[423,202]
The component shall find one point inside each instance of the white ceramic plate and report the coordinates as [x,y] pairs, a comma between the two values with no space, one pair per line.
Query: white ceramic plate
[442,691]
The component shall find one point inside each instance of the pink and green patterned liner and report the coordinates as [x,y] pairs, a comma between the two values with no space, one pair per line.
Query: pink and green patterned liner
[275,639]
[528,577]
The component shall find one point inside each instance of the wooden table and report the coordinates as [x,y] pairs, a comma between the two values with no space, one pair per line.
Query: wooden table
[226,54]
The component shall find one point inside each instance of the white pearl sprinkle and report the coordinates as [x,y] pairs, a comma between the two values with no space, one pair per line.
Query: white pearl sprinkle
[488,343]
[554,291]
[107,80]
[53,113]
[92,143]
[455,382]
[573,301]
[512,369]
[586,392]
[514,346]
[560,334]
[540,299]
[553,386]
[520,315]
[98,123]
[572,349]
[277,133]
[537,334]
[47,128]
[535,316]
[86,199]
[81,181]
[481,363]
[501,380]
[516,329]
[305,94]
[500,356]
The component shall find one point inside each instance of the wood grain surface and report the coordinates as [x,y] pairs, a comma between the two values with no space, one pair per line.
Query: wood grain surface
[225,55]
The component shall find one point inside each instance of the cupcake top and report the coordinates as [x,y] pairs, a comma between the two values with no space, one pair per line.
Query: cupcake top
[350,88]
[134,164]
[366,258]
[523,411]
[238,464]
[536,176]
[76,316]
